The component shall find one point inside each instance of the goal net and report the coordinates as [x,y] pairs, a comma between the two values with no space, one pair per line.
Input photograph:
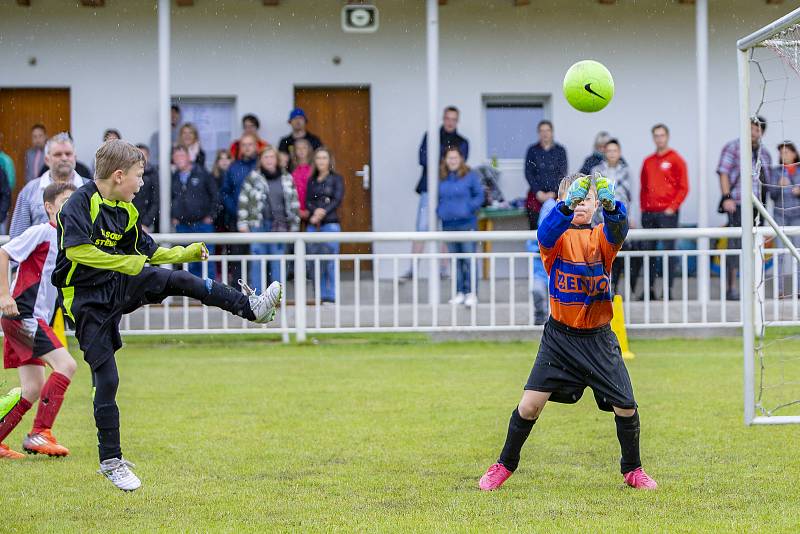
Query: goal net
[769,72]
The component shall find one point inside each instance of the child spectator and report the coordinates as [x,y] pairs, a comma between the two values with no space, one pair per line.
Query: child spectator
[302,170]
[222,162]
[195,202]
[615,169]
[250,126]
[784,188]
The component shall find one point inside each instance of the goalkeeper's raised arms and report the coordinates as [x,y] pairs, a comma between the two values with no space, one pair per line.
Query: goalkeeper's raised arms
[605,192]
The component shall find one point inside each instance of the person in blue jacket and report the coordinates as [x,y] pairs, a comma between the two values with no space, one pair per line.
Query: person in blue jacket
[460,197]
[229,197]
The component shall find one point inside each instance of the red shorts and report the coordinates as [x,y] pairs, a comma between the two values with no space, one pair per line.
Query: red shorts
[25,339]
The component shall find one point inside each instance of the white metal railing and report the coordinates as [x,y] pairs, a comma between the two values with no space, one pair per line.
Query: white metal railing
[372,295]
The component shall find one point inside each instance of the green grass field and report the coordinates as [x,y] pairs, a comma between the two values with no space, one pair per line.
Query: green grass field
[392,434]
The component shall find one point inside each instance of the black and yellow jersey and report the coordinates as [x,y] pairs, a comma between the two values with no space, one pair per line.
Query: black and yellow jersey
[113,227]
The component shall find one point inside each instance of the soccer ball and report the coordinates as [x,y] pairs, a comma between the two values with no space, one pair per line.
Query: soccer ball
[588,86]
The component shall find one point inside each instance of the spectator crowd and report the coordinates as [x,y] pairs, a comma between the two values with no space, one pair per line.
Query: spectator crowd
[257,186]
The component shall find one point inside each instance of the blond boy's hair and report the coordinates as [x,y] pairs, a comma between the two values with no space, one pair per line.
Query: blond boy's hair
[568,180]
[113,155]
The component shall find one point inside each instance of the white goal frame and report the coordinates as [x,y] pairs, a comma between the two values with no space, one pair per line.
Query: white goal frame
[750,328]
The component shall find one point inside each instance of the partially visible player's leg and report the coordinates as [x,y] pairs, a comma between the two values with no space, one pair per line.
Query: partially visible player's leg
[520,425]
[31,378]
[258,308]
[551,379]
[628,430]
[9,400]
[41,439]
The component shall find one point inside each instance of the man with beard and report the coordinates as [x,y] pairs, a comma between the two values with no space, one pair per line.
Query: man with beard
[60,158]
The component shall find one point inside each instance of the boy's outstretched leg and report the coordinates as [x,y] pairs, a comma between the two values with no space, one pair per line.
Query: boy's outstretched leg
[41,439]
[257,308]
[627,421]
[519,428]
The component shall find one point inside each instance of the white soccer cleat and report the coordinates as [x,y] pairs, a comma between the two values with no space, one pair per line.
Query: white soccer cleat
[266,304]
[117,470]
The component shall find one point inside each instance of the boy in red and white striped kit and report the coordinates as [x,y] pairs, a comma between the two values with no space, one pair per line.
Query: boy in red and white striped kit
[29,342]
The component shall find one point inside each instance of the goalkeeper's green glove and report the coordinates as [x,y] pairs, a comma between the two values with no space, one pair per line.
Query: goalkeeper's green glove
[605,192]
[577,192]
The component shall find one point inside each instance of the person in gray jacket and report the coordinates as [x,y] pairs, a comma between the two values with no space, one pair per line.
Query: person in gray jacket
[615,169]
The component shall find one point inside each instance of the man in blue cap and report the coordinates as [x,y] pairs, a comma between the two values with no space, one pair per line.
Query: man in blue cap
[297,119]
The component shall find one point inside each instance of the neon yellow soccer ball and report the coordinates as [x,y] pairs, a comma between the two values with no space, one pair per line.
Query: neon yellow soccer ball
[588,86]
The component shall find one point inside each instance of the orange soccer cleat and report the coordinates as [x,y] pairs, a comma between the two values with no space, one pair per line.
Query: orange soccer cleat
[43,442]
[6,452]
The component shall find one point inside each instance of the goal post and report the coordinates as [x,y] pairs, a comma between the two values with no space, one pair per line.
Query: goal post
[783,38]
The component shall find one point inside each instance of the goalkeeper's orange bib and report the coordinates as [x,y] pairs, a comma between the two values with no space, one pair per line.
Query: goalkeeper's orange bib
[580,287]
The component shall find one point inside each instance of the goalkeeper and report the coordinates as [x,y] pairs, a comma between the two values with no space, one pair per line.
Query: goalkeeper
[578,348]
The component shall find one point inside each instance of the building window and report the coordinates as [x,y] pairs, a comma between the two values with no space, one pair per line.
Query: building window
[214,118]
[511,125]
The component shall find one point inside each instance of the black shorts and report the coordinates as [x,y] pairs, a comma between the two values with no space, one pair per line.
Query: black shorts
[570,360]
[97,310]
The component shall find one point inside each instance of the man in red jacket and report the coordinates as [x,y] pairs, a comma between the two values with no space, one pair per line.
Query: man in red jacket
[664,187]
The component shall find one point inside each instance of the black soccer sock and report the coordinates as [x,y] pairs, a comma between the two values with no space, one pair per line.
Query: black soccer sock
[185,284]
[106,413]
[628,436]
[210,293]
[229,299]
[518,431]
[106,417]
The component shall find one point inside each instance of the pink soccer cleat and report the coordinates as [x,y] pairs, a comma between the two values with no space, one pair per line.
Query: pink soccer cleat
[495,476]
[640,480]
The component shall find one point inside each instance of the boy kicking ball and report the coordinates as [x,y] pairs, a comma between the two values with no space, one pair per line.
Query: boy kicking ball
[29,343]
[101,272]
[578,348]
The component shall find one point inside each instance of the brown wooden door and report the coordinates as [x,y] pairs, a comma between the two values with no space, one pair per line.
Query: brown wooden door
[340,117]
[20,109]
